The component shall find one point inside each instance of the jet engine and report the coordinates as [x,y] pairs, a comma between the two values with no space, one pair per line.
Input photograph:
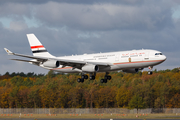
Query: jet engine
[51,64]
[131,70]
[90,68]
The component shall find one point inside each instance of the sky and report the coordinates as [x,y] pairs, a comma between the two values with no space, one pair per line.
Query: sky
[67,27]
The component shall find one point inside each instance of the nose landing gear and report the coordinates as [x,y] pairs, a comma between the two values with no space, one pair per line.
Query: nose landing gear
[150,70]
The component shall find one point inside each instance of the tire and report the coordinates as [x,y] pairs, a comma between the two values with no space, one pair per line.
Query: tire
[102,81]
[105,80]
[85,77]
[150,72]
[82,80]
[109,77]
[92,77]
[79,80]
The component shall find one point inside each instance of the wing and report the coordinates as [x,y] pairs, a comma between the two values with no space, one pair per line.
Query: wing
[26,60]
[64,62]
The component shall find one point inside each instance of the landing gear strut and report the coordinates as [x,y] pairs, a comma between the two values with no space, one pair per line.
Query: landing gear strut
[150,70]
[106,77]
[92,76]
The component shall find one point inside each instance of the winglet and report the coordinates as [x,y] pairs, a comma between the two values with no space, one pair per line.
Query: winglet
[8,51]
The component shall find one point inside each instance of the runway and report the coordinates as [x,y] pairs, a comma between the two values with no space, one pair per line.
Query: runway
[75,119]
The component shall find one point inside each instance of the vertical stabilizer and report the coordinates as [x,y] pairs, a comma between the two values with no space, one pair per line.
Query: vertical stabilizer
[37,48]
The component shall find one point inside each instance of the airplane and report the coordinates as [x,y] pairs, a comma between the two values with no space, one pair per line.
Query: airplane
[126,61]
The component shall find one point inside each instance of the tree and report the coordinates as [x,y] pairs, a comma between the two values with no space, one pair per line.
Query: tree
[75,97]
[62,96]
[174,102]
[123,97]
[14,97]
[136,102]
[34,97]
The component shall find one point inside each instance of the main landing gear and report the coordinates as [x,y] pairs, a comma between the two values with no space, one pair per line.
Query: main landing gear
[82,78]
[106,77]
[92,76]
[150,70]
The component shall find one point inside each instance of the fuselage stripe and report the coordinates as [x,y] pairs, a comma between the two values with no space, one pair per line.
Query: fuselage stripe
[139,62]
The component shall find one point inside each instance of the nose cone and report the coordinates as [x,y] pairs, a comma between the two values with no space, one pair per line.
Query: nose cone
[163,57]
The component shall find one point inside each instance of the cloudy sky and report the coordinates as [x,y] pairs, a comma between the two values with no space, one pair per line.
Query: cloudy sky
[67,27]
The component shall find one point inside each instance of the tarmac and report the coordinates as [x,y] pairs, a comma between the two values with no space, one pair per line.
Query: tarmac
[75,119]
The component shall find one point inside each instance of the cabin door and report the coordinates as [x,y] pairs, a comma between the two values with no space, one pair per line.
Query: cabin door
[117,57]
[146,57]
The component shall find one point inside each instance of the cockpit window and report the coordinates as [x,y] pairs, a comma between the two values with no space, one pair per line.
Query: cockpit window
[158,54]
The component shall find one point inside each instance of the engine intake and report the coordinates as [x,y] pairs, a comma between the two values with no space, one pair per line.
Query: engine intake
[51,64]
[90,68]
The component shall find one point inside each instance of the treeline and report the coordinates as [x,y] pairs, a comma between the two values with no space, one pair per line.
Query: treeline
[30,74]
[125,90]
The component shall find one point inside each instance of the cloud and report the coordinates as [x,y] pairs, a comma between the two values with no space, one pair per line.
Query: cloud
[106,16]
[76,27]
[132,2]
[17,26]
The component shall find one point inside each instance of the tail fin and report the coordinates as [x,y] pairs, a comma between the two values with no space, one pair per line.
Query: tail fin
[37,48]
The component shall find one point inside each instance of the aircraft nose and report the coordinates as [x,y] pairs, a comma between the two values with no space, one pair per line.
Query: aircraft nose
[164,57]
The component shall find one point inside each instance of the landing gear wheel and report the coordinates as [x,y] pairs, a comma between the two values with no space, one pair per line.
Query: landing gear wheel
[92,77]
[108,77]
[84,77]
[103,81]
[80,80]
[150,72]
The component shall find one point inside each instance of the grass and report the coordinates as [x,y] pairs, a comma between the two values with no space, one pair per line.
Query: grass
[107,116]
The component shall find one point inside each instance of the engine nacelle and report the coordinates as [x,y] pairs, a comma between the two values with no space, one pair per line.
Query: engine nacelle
[51,64]
[90,68]
[131,70]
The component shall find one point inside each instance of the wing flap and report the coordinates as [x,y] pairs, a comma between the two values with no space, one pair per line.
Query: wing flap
[25,60]
[68,62]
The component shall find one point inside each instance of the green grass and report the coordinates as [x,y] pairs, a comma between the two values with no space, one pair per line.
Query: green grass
[113,116]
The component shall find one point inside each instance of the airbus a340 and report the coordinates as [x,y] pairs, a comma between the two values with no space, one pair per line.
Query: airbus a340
[127,61]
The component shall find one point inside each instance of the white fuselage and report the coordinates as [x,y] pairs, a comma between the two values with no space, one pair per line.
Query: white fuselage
[122,60]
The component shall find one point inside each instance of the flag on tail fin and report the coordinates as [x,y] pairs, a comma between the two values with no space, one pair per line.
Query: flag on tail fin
[37,48]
